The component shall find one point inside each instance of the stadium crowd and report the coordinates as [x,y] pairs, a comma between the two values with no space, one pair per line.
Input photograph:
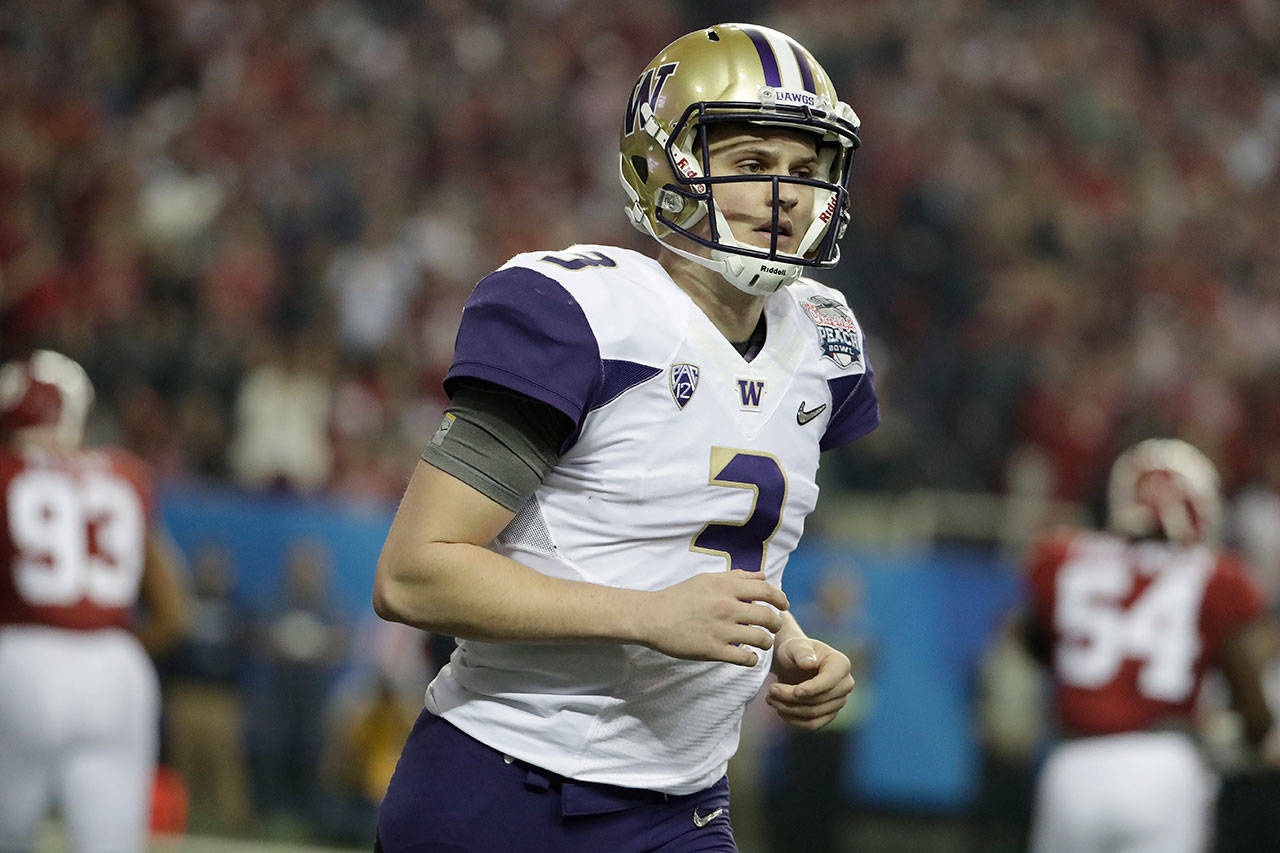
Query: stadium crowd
[254,223]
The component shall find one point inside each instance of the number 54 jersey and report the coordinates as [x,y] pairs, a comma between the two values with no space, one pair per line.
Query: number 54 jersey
[685,457]
[1133,625]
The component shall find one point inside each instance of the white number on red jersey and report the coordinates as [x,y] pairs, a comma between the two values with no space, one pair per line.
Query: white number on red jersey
[1159,628]
[50,515]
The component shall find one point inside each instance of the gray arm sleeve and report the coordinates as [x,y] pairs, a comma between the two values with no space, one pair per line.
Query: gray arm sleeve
[498,442]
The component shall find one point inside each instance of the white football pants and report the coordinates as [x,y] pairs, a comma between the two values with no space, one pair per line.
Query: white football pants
[1138,792]
[79,716]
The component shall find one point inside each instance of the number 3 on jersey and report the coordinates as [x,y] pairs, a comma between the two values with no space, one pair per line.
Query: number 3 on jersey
[744,543]
[1158,629]
[75,539]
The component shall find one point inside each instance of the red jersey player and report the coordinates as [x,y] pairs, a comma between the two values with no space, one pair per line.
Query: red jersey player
[1129,621]
[79,699]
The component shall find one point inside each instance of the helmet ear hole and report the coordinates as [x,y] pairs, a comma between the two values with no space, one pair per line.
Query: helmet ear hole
[641,165]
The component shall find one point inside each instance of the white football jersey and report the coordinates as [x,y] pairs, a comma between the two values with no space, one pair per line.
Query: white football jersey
[686,458]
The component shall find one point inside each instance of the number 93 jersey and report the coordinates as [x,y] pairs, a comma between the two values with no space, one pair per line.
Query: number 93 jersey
[1134,625]
[685,457]
[73,530]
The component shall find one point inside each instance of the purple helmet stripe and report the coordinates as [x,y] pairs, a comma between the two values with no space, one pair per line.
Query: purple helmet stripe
[806,73]
[767,59]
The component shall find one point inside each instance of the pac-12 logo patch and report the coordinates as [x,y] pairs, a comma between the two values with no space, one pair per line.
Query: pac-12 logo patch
[837,331]
[684,381]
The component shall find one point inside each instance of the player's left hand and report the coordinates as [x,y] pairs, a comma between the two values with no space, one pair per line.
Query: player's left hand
[814,682]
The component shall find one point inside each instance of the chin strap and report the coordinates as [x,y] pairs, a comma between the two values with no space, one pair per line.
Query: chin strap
[750,275]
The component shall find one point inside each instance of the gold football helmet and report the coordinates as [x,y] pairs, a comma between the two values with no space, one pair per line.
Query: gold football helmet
[738,73]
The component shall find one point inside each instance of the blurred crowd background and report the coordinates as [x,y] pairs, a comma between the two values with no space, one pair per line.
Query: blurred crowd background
[255,222]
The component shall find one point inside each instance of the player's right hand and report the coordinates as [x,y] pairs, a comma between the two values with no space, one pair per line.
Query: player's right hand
[715,616]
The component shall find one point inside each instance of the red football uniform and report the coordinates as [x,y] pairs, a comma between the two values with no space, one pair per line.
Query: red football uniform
[73,534]
[1133,625]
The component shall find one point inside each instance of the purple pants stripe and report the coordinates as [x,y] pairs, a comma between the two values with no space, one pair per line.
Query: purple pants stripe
[452,794]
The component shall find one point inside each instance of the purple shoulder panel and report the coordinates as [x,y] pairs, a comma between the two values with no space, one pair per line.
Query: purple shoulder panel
[523,331]
[856,411]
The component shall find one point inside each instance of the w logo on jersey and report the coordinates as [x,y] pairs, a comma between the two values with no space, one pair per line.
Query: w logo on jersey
[751,390]
[684,381]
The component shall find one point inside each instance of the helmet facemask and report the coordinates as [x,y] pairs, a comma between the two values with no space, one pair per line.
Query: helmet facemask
[683,204]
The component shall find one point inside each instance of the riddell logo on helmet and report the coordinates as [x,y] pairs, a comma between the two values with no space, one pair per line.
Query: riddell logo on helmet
[826,214]
[685,169]
[773,270]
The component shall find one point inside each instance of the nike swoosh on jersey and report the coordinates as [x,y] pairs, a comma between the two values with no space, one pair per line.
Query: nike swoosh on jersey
[803,416]
[702,820]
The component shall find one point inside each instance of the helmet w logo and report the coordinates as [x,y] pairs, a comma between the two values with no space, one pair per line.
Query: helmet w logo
[647,90]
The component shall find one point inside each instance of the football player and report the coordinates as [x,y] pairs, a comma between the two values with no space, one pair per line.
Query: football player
[1129,621]
[79,700]
[606,511]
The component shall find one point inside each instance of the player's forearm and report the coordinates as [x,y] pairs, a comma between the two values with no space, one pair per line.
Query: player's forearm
[168,609]
[159,638]
[1245,653]
[467,591]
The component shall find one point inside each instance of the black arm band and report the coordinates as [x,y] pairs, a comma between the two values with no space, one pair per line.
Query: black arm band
[498,442]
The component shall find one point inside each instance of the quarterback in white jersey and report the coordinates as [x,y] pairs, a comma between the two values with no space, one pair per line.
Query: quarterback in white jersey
[606,512]
[689,459]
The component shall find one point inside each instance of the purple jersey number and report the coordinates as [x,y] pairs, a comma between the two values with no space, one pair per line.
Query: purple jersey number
[744,544]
